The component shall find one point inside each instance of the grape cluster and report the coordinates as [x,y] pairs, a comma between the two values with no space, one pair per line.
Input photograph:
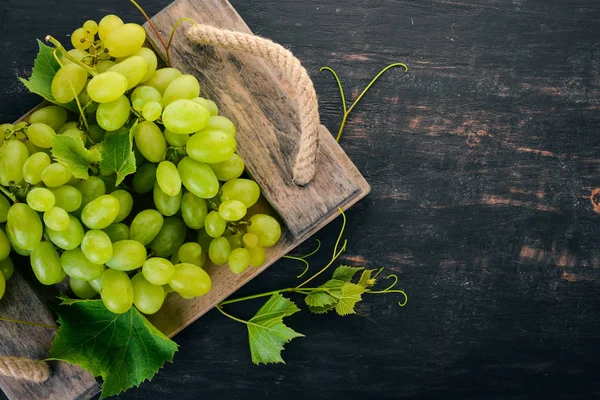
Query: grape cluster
[116,240]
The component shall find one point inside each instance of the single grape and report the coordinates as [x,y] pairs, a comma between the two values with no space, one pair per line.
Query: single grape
[107,86]
[4,207]
[244,190]
[82,289]
[257,256]
[145,226]
[69,238]
[161,79]
[125,40]
[12,159]
[117,232]
[104,65]
[198,178]
[90,27]
[193,210]
[167,178]
[68,82]
[57,219]
[210,105]
[41,135]
[183,87]
[46,264]
[91,189]
[191,253]
[132,68]
[190,280]
[111,116]
[174,139]
[219,250]
[151,61]
[67,197]
[152,111]
[214,224]
[167,205]
[250,239]
[222,124]
[170,238]
[232,210]
[266,228]
[96,133]
[150,141]
[127,255]
[125,204]
[230,169]
[34,166]
[53,116]
[101,212]
[158,271]
[4,245]
[40,199]
[235,240]
[97,246]
[144,178]
[55,175]
[211,146]
[24,226]
[116,291]
[204,239]
[81,40]
[147,297]
[7,268]
[107,25]
[239,260]
[77,265]
[185,117]
[67,126]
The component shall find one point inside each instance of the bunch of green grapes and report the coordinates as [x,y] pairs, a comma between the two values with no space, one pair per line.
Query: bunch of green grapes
[118,242]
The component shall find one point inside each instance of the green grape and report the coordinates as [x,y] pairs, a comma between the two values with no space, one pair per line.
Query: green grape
[175,258]
[67,126]
[210,105]
[32,148]
[232,210]
[250,240]
[214,224]
[90,27]
[125,40]
[145,94]
[55,175]
[81,40]
[57,219]
[144,178]
[266,228]
[34,166]
[211,146]
[100,212]
[76,265]
[230,169]
[24,226]
[68,82]
[14,245]
[125,204]
[111,116]
[193,210]
[244,190]
[53,116]
[97,246]
[104,65]
[4,245]
[174,139]
[77,54]
[132,68]
[7,268]
[116,291]
[67,197]
[150,141]
[167,178]
[218,251]
[170,238]
[191,253]
[75,133]
[96,284]
[190,280]
[12,159]
[86,101]
[183,87]
[46,264]
[152,111]
[239,260]
[96,133]
[69,238]
[204,239]
[107,86]
[185,117]
[161,79]
[107,25]
[222,124]
[90,189]
[117,232]
[41,135]
[40,199]
[82,289]
[139,158]
[127,255]
[4,207]
[145,226]
[2,286]
[234,239]
[257,256]
[151,61]
[167,205]
[5,129]
[147,297]
[168,289]
[198,178]
[158,271]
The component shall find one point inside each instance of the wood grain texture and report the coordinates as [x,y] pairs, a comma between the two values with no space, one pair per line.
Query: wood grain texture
[491,236]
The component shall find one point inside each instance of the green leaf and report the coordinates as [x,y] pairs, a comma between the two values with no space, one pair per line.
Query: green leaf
[321,310]
[346,273]
[45,67]
[366,280]
[124,349]
[118,155]
[267,333]
[351,294]
[321,302]
[70,152]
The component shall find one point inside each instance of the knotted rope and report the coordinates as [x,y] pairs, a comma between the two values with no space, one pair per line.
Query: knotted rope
[305,164]
[24,368]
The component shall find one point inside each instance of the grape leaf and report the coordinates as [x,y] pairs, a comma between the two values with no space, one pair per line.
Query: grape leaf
[267,333]
[345,273]
[366,280]
[351,294]
[118,155]
[70,152]
[45,67]
[321,302]
[321,310]
[124,349]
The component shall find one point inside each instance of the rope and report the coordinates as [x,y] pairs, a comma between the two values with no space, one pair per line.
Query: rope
[305,163]
[24,368]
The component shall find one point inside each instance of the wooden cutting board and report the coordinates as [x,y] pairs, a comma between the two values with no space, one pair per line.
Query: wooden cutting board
[260,102]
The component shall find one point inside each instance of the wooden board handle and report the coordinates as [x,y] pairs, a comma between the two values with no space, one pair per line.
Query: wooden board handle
[308,107]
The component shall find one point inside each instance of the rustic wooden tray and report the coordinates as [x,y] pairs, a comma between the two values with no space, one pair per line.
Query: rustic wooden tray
[261,103]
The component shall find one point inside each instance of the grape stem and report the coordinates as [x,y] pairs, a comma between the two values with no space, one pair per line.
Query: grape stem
[18,321]
[69,57]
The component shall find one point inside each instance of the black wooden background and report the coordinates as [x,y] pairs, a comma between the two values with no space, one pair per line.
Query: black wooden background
[481,159]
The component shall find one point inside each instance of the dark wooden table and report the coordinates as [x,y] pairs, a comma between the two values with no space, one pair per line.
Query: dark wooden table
[481,160]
